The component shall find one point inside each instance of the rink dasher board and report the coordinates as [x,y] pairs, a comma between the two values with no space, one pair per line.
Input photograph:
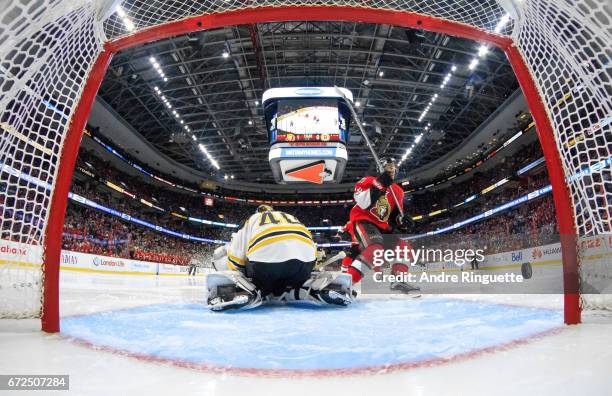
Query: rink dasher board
[595,253]
[25,256]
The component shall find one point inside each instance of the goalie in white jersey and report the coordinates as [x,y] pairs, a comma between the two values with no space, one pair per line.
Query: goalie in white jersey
[272,256]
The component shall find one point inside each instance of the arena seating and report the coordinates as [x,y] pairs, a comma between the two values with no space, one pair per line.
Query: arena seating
[91,231]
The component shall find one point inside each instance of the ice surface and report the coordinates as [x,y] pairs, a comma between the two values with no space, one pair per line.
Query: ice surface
[576,360]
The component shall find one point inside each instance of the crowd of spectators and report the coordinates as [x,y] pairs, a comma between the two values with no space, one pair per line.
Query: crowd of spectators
[91,231]
[173,199]
[528,225]
[452,193]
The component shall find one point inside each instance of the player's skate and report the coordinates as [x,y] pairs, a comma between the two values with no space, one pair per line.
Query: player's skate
[231,290]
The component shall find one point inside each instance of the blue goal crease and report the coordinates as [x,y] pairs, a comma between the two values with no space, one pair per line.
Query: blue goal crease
[368,333]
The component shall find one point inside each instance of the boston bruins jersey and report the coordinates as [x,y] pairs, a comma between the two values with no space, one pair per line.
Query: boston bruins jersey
[378,212]
[270,237]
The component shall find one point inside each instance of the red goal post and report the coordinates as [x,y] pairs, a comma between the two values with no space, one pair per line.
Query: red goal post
[79,38]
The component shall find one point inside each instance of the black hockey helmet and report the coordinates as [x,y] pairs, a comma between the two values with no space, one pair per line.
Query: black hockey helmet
[264,208]
[387,160]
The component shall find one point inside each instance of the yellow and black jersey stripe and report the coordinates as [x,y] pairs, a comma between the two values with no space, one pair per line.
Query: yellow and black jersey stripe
[235,263]
[279,233]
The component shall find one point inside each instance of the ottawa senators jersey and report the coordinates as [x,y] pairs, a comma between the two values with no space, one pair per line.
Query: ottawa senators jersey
[379,212]
[270,237]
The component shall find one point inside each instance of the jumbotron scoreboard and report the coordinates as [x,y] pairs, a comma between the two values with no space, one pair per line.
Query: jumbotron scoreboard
[308,129]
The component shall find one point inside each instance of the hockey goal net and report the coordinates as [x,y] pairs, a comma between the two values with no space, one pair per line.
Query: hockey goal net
[54,53]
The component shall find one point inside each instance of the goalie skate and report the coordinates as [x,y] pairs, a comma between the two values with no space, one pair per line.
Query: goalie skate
[231,290]
[324,288]
[238,301]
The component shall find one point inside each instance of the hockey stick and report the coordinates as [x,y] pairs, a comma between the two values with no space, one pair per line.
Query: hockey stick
[379,166]
[331,260]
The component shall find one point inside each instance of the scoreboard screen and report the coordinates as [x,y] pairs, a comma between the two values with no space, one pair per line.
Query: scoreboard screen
[307,120]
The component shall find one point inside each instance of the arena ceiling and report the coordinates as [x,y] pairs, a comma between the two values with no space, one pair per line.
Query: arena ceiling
[214,81]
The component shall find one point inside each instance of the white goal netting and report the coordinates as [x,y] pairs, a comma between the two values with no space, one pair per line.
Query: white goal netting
[48,48]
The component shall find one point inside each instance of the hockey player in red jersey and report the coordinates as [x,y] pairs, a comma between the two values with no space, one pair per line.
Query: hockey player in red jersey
[375,214]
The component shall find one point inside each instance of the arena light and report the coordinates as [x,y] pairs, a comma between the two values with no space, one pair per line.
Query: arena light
[225,54]
[530,166]
[129,25]
[502,23]
[194,138]
[473,64]
[494,186]
[483,50]
[120,12]
[513,138]
[358,104]
[210,158]
[454,68]
[470,199]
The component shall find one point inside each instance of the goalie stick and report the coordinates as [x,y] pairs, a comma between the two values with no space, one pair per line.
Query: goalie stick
[331,260]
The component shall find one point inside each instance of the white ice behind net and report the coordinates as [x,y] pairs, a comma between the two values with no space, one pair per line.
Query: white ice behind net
[48,47]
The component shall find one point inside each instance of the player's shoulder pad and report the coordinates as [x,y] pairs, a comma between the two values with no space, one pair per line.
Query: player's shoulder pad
[254,218]
[365,179]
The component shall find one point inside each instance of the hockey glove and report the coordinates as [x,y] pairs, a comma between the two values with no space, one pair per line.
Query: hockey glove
[405,224]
